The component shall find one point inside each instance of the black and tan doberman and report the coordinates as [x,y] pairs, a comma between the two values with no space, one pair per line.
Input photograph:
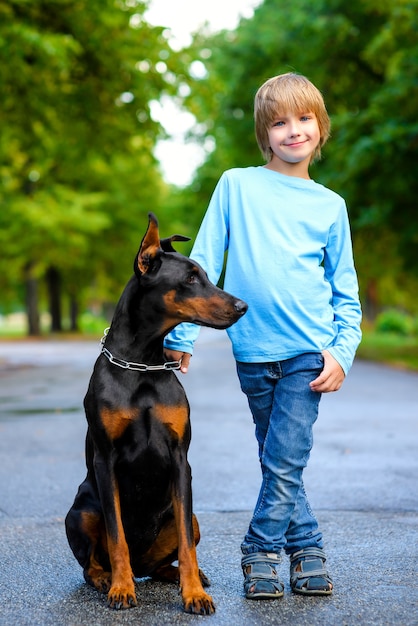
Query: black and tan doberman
[132,516]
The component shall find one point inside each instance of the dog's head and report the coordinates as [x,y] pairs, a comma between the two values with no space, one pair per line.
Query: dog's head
[179,287]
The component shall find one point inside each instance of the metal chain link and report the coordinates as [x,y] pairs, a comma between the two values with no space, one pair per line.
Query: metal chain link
[137,367]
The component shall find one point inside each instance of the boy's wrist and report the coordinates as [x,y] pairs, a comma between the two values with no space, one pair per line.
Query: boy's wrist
[175,346]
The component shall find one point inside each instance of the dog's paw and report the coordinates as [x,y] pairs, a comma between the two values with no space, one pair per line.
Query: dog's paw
[99,579]
[201,604]
[204,579]
[121,597]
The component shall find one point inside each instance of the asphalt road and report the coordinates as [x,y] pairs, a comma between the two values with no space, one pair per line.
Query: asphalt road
[362,481]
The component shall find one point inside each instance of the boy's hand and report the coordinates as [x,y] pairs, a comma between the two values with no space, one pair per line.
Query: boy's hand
[175,355]
[332,376]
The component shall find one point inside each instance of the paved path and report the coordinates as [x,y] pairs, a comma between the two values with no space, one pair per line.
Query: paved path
[362,481]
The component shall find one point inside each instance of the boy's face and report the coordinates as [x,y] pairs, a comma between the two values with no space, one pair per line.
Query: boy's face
[294,137]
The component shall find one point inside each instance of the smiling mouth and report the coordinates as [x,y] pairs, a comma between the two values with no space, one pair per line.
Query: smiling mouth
[295,144]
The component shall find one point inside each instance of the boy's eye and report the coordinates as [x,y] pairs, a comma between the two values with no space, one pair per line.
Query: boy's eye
[279,123]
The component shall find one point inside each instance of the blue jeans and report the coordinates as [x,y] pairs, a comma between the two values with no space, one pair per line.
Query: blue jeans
[284,410]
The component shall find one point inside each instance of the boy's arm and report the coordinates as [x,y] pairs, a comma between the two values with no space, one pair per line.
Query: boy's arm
[341,274]
[208,250]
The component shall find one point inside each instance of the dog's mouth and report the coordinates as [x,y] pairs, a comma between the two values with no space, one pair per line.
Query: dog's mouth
[220,311]
[223,317]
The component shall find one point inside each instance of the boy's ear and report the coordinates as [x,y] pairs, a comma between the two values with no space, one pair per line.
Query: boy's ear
[150,247]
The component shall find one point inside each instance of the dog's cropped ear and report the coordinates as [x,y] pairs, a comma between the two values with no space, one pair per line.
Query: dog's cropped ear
[166,243]
[149,248]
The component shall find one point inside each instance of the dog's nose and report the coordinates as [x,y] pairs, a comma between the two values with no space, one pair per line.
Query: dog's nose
[241,307]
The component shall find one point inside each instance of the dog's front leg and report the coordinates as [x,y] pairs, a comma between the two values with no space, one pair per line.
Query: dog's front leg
[122,591]
[195,599]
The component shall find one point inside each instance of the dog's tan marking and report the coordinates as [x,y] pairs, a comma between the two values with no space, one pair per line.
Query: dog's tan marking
[90,523]
[174,417]
[213,311]
[149,247]
[166,545]
[195,599]
[93,527]
[122,591]
[116,421]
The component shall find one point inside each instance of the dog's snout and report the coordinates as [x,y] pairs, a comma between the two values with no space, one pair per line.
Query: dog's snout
[240,307]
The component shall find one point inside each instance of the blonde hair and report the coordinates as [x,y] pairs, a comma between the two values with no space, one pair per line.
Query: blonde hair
[285,93]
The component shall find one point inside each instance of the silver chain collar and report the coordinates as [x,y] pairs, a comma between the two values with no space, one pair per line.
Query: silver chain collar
[138,367]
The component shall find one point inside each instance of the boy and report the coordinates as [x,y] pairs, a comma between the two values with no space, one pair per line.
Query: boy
[290,258]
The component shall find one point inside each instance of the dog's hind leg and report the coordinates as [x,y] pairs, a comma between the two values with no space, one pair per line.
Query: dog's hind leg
[95,573]
[159,558]
[87,538]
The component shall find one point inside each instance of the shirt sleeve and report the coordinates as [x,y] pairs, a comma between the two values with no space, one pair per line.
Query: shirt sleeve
[209,251]
[341,274]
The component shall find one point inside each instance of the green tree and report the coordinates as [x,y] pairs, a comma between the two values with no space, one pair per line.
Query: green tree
[363,55]
[76,149]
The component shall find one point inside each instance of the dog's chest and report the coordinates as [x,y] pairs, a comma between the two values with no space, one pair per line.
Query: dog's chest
[144,423]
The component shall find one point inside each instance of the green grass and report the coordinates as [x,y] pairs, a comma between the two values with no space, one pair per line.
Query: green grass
[390,348]
[15,327]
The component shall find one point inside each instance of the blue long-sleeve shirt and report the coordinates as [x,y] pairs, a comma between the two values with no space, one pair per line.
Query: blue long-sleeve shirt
[289,257]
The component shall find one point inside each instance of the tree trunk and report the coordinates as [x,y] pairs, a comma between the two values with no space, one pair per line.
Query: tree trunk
[32,302]
[371,304]
[53,279]
[73,314]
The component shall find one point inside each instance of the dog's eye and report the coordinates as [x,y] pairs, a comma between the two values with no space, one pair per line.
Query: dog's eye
[192,278]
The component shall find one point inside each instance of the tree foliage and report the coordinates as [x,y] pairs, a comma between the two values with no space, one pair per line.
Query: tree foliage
[76,149]
[363,55]
[77,170]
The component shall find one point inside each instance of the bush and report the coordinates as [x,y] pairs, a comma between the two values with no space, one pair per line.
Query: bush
[91,324]
[393,321]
